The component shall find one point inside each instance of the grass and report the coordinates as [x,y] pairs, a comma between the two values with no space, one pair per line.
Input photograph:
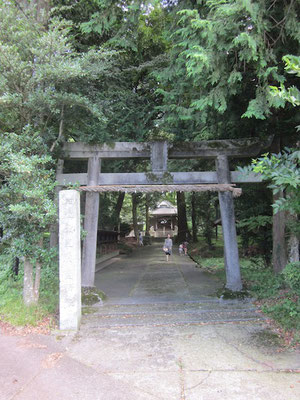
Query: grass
[12,308]
[274,295]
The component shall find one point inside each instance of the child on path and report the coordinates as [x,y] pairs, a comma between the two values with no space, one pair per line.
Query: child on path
[181,249]
[185,246]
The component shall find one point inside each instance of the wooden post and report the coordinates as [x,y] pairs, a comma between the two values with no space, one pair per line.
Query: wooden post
[90,225]
[231,255]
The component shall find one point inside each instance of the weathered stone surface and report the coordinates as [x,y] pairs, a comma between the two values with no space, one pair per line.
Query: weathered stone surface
[90,226]
[159,156]
[107,150]
[204,149]
[141,178]
[231,254]
[69,260]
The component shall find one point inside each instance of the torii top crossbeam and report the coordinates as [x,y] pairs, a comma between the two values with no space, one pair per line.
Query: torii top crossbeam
[159,153]
[204,149]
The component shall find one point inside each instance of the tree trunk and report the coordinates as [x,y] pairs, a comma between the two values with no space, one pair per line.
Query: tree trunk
[118,207]
[54,226]
[41,7]
[194,217]
[31,289]
[15,267]
[293,241]
[293,248]
[134,216]
[28,291]
[147,233]
[183,232]
[279,256]
[37,281]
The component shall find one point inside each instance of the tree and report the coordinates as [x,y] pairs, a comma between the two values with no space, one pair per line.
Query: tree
[47,94]
[183,231]
[136,32]
[26,200]
[291,94]
[282,172]
[223,58]
[46,83]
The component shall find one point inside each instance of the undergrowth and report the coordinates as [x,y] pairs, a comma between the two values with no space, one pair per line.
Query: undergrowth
[277,295]
[12,308]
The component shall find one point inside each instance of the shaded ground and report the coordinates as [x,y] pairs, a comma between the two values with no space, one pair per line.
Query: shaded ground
[161,334]
[146,277]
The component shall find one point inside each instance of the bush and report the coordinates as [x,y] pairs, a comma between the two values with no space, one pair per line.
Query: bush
[291,274]
[286,311]
[124,248]
[259,279]
[12,307]
[124,229]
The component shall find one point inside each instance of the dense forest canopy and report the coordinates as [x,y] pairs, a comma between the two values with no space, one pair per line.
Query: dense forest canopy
[102,70]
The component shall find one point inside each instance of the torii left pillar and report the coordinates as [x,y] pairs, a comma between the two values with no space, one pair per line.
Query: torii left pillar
[90,225]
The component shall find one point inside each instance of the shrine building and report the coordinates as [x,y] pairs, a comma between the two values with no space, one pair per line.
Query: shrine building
[163,220]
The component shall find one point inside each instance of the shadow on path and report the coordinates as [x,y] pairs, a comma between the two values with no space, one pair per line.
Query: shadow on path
[146,277]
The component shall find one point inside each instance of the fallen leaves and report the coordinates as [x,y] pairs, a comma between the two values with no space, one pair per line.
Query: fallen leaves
[51,360]
[42,328]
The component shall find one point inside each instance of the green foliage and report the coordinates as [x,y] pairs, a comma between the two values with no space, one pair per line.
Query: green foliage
[12,308]
[280,304]
[124,248]
[285,311]
[135,29]
[46,83]
[254,223]
[125,228]
[283,172]
[291,94]
[224,56]
[260,279]
[26,193]
[291,275]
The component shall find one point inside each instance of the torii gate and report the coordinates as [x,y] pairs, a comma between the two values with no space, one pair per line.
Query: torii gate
[221,180]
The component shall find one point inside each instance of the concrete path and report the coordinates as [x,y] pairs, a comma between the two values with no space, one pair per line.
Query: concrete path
[161,334]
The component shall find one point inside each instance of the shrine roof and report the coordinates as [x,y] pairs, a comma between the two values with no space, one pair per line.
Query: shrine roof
[164,208]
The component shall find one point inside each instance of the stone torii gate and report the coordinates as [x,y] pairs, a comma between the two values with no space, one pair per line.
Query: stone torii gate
[159,179]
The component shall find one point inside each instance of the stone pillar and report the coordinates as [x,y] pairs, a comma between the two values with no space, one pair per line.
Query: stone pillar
[231,254]
[159,157]
[90,225]
[69,260]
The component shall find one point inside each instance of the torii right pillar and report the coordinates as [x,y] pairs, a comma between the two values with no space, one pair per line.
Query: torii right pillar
[231,254]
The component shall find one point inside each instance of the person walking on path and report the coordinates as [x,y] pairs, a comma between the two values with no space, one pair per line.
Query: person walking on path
[168,246]
[141,239]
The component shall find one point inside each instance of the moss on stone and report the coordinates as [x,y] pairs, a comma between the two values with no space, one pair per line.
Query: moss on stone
[267,338]
[88,310]
[91,295]
[227,294]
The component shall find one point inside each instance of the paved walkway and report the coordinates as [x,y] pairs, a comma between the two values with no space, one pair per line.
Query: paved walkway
[161,334]
[146,277]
